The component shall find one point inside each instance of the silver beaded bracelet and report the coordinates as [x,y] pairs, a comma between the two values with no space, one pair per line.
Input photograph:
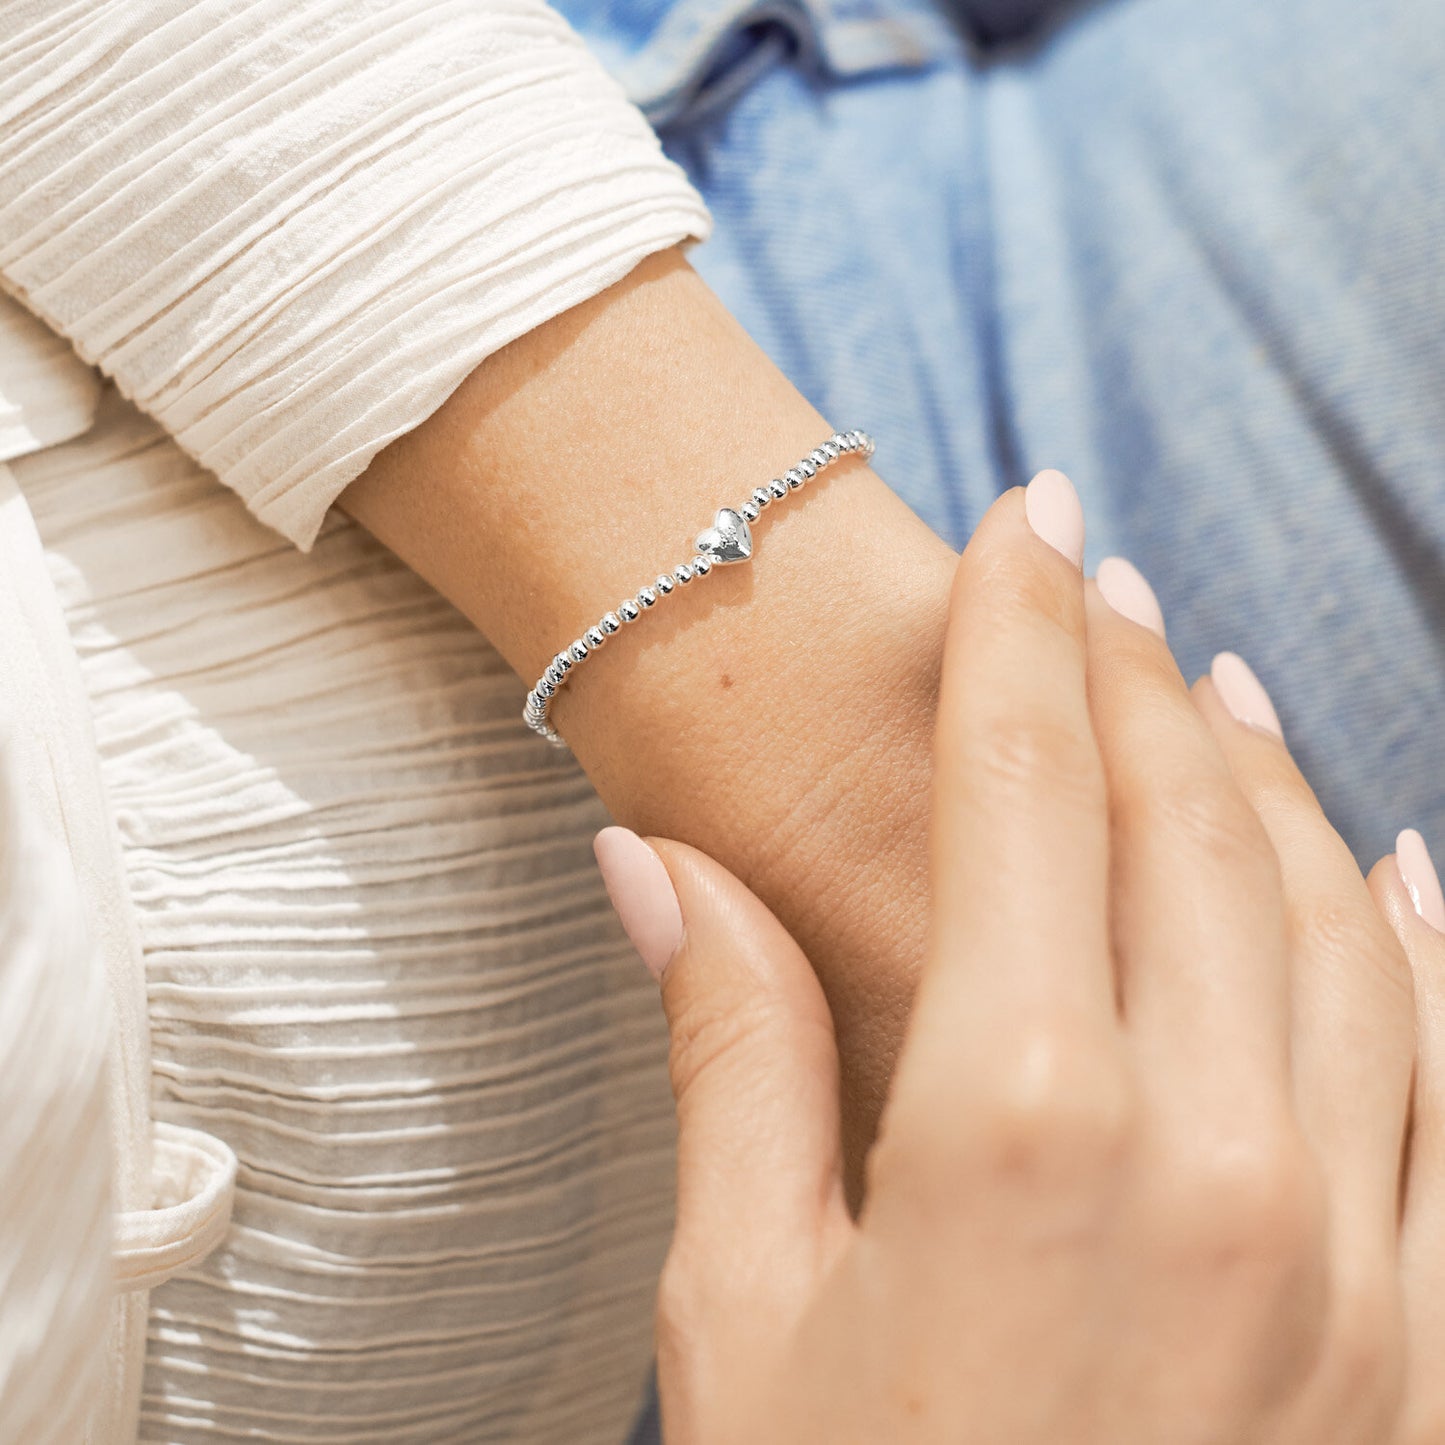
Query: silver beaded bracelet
[728,540]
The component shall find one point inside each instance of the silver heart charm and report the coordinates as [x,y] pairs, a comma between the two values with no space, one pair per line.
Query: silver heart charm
[729,539]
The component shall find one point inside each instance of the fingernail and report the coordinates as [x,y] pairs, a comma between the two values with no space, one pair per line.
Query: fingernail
[642,893]
[1052,506]
[1243,693]
[1422,882]
[1123,587]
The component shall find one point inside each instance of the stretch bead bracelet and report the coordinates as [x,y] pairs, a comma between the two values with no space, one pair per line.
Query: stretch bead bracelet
[728,540]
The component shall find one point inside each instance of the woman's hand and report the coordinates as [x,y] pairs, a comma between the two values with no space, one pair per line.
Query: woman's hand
[1142,1176]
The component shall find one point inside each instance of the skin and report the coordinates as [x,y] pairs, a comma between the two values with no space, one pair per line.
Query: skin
[1172,1031]
[1147,1170]
[778,715]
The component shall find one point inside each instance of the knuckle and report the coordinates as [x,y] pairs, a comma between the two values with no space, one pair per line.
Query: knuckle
[1036,594]
[1277,790]
[1212,819]
[1140,678]
[705,1036]
[1058,1109]
[1253,1204]
[1040,757]
[1348,936]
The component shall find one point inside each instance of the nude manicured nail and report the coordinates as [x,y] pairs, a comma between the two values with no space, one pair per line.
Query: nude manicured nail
[1123,587]
[1052,506]
[1421,880]
[1243,693]
[642,893]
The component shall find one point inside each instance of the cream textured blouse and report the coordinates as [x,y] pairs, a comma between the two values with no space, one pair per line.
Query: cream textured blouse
[331,1100]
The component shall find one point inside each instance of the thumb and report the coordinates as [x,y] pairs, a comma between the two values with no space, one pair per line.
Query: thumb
[753,1061]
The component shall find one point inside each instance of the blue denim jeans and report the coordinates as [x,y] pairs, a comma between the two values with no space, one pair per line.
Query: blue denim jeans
[1188,252]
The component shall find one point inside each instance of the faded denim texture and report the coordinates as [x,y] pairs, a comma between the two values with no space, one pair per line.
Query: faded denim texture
[1190,253]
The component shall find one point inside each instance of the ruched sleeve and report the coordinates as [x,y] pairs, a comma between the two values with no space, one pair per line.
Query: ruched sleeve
[288,229]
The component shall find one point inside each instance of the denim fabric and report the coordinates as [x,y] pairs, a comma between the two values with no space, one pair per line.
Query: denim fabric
[681,60]
[1190,253]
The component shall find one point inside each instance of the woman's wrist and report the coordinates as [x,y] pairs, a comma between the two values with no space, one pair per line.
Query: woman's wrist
[790,732]
[728,542]
[778,717]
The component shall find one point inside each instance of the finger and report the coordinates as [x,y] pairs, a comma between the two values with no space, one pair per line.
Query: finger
[1197,911]
[1012,1086]
[1407,891]
[1015,1018]
[753,1063]
[1352,1026]
[1019,829]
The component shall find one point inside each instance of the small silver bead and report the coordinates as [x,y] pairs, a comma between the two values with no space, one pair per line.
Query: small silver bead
[594,637]
[763,498]
[700,565]
[831,450]
[819,457]
[578,651]
[794,478]
[628,610]
[683,573]
[843,441]
[563,663]
[552,675]
[610,622]
[664,583]
[647,598]
[808,467]
[779,488]
[750,510]
[546,688]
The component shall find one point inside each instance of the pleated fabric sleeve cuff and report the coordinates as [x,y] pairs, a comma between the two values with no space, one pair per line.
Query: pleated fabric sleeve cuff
[289,229]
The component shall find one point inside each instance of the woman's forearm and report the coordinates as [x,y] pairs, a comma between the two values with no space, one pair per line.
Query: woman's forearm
[779,714]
